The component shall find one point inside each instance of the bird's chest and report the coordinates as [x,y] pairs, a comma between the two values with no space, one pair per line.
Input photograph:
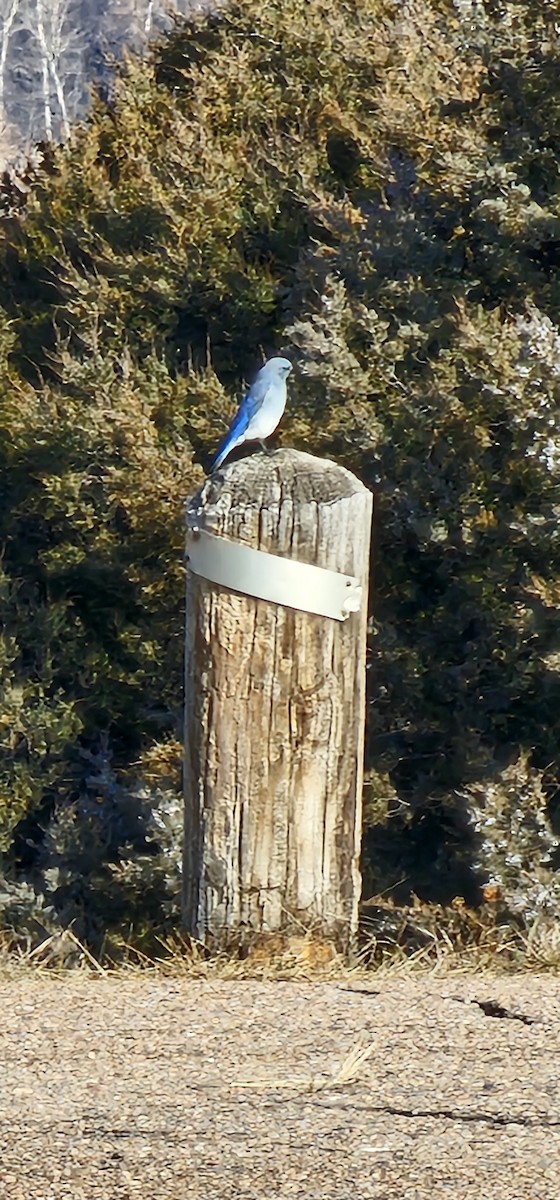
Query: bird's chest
[266,419]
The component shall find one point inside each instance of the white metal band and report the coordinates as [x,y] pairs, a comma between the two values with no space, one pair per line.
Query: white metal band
[269,577]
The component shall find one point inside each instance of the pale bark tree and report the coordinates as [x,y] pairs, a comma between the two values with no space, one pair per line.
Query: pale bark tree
[61,38]
[50,52]
[7,18]
[45,74]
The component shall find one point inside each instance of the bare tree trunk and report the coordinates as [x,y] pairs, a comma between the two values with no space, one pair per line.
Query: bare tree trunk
[58,17]
[4,44]
[274,718]
[41,37]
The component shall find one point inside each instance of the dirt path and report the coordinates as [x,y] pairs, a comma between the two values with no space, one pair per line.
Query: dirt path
[398,1089]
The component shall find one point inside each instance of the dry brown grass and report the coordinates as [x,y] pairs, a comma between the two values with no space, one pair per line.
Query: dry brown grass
[473,944]
[340,1074]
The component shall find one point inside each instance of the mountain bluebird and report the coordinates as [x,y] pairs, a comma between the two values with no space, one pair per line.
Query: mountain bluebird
[261,410]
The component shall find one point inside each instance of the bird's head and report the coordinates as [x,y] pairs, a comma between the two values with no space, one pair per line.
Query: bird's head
[279,366]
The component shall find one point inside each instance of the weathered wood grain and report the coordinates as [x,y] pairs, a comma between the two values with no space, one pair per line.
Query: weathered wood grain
[274,712]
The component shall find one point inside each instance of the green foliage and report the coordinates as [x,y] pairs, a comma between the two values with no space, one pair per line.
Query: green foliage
[372,188]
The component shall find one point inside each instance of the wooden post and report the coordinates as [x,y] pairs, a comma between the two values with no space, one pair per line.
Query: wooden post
[274,712]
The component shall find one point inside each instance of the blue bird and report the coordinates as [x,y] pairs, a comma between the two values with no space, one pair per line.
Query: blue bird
[261,410]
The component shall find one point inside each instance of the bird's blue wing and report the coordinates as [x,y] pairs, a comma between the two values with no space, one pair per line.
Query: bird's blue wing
[245,413]
[254,399]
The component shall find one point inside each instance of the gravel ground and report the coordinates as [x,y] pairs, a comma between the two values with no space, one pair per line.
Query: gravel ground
[130,1087]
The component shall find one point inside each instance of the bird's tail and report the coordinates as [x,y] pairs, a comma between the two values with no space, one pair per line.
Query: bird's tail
[234,437]
[229,443]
